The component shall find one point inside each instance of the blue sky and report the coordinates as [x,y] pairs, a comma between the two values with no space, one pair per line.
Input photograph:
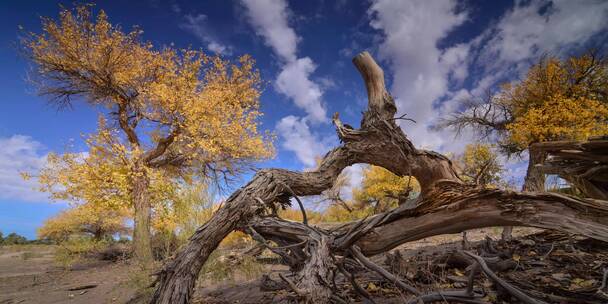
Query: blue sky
[435,53]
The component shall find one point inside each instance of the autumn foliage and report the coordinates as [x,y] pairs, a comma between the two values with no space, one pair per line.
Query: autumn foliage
[85,220]
[167,115]
[558,100]
[382,190]
[479,164]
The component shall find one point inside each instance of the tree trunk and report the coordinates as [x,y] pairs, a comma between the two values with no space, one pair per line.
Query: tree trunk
[535,178]
[533,182]
[142,248]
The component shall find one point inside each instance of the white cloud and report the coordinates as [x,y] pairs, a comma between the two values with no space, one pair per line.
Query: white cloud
[355,174]
[199,26]
[269,18]
[534,28]
[19,154]
[298,138]
[294,81]
[420,69]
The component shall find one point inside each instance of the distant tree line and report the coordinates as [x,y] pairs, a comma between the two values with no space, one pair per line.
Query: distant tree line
[12,239]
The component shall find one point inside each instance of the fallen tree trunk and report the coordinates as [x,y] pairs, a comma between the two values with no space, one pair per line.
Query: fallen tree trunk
[445,205]
[582,163]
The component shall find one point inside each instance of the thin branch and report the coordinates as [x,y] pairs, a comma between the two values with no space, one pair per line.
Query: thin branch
[292,286]
[389,276]
[471,279]
[277,250]
[402,117]
[512,290]
[362,292]
[162,145]
[481,172]
[448,296]
[304,217]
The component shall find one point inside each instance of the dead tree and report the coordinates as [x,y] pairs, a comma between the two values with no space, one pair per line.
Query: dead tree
[446,205]
[584,164]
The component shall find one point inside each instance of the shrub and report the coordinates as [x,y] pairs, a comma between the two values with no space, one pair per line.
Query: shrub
[77,249]
[14,239]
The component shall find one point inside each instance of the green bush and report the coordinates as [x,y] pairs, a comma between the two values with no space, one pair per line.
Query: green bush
[14,239]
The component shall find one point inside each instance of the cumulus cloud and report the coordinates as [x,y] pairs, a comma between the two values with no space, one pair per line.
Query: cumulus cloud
[199,27]
[269,18]
[355,175]
[294,81]
[298,138]
[19,154]
[533,28]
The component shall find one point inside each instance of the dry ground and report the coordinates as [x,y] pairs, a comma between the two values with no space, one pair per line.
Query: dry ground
[30,274]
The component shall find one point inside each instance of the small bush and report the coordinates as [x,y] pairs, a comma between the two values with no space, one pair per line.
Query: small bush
[13,239]
[77,249]
[235,240]
[220,267]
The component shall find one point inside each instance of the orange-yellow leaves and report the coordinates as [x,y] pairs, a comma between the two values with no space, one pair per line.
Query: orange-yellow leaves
[383,189]
[101,177]
[560,118]
[479,161]
[558,100]
[211,106]
[168,115]
[87,219]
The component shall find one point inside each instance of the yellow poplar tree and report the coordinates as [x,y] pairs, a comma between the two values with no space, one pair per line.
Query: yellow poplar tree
[559,99]
[166,112]
[383,190]
[479,164]
[86,219]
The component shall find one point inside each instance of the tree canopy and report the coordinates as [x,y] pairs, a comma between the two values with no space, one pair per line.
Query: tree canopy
[166,114]
[87,219]
[382,190]
[558,99]
[479,164]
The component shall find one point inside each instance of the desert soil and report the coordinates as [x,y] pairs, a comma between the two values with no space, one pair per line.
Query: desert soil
[30,274]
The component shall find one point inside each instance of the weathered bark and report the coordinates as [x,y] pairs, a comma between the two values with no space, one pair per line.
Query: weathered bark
[535,178]
[445,205]
[141,224]
[452,209]
[583,164]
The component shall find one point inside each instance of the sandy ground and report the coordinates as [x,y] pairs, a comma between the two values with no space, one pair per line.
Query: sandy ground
[29,274]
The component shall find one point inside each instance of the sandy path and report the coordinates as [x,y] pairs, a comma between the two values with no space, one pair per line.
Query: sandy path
[30,275]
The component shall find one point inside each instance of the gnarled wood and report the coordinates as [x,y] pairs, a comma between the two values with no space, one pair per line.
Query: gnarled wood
[582,163]
[445,205]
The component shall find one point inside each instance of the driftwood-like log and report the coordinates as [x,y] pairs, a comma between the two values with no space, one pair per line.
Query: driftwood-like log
[445,205]
[582,163]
